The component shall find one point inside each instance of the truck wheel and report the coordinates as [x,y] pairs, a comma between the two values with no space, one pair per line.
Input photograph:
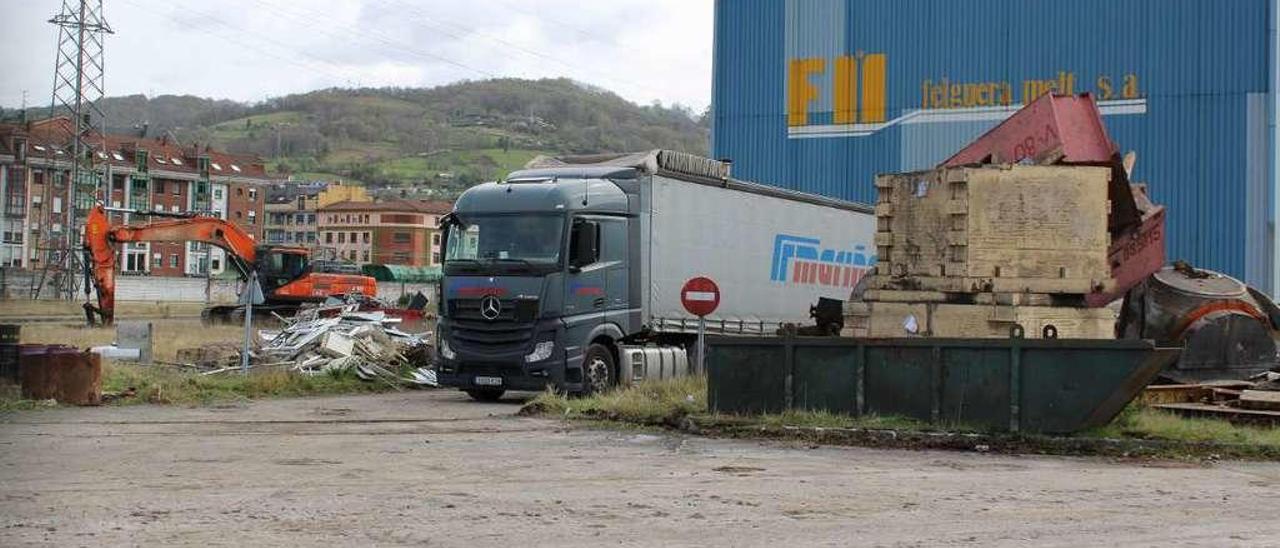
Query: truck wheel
[486,394]
[597,370]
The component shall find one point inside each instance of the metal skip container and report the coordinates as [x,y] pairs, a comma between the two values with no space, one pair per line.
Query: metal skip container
[1017,385]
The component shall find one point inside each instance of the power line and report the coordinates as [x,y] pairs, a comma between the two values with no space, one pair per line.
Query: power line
[363,33]
[523,49]
[317,66]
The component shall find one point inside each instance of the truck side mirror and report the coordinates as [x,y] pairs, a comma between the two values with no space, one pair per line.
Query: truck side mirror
[584,244]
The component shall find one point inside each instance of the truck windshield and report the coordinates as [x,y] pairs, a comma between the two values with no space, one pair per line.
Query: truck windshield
[490,241]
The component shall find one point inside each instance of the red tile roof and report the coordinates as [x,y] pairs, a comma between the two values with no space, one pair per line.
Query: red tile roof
[52,133]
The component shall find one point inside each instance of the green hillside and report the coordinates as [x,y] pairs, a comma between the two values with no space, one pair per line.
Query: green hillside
[418,140]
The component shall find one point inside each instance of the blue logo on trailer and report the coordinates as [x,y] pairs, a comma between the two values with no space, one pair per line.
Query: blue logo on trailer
[802,259]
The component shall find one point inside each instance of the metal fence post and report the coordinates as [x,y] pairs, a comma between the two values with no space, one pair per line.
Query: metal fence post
[935,384]
[789,362]
[860,379]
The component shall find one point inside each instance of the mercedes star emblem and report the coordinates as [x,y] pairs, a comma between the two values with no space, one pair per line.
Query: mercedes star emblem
[490,307]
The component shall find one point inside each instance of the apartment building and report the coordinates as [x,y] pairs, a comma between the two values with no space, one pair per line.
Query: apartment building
[42,210]
[399,232]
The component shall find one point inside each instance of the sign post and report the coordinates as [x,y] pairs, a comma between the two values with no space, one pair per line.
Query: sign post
[252,295]
[700,297]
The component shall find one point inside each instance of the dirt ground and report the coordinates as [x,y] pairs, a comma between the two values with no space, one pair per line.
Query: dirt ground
[431,468]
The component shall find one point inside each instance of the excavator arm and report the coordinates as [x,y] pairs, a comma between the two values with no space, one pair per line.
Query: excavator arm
[100,240]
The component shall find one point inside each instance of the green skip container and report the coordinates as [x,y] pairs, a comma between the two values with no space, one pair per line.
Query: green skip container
[1054,386]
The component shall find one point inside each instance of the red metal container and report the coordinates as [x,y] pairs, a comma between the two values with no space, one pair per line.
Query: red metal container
[62,373]
[1053,129]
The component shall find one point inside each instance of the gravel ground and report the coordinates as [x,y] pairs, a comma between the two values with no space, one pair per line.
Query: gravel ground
[432,468]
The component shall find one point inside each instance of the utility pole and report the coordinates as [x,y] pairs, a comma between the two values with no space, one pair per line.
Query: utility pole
[78,88]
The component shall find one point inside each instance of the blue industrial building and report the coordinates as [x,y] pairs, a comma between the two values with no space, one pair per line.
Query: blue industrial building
[821,95]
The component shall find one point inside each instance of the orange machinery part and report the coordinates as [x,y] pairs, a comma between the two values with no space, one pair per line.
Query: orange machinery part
[324,284]
[100,239]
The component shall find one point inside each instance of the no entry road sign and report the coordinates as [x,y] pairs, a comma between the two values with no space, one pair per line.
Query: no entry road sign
[700,296]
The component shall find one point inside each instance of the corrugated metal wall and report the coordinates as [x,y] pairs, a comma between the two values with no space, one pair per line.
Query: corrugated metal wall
[820,95]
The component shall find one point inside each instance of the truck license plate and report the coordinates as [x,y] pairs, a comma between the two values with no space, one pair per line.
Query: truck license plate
[488,381]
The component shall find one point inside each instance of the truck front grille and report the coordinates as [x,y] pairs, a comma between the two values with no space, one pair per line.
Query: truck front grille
[508,333]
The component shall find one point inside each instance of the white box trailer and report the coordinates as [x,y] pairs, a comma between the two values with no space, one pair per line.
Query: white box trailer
[772,252]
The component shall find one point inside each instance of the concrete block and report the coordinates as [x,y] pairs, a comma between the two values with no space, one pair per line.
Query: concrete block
[135,334]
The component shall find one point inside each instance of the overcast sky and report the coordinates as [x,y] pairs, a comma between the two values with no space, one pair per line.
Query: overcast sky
[249,50]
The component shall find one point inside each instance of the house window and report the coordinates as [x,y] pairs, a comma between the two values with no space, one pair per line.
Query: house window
[239,214]
[311,237]
[365,237]
[177,188]
[239,191]
[354,237]
[402,237]
[435,239]
[400,257]
[173,260]
[342,237]
[215,264]
[328,237]
[57,204]
[157,260]
[253,194]
[217,193]
[435,258]
[364,255]
[253,217]
[159,187]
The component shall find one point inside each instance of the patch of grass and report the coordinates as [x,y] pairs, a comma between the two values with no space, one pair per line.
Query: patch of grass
[650,402]
[325,176]
[1139,432]
[166,385]
[236,128]
[167,336]
[827,419]
[1146,423]
[668,401]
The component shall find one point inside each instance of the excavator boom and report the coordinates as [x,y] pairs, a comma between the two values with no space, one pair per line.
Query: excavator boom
[100,240]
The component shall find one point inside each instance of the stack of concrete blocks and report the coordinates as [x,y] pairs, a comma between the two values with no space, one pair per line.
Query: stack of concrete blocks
[975,251]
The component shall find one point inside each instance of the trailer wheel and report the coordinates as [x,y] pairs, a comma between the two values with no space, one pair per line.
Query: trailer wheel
[486,394]
[597,370]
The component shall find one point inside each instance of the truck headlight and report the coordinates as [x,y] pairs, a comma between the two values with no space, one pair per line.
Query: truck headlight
[541,351]
[446,352]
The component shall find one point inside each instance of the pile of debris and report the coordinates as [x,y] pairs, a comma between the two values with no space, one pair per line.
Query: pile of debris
[1255,400]
[328,338]
[318,341]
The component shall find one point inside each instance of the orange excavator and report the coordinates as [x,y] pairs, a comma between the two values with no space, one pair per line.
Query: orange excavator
[284,273]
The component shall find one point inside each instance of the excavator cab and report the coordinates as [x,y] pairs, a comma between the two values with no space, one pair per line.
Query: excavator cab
[278,266]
